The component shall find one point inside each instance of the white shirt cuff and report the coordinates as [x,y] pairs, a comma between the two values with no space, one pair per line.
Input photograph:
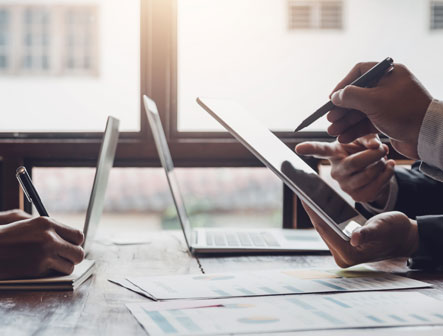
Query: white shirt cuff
[430,138]
[390,203]
[432,172]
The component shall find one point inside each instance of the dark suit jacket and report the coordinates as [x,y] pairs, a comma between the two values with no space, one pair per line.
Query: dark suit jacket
[421,198]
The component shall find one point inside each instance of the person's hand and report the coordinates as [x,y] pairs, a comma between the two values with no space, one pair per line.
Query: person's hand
[360,168]
[396,107]
[38,247]
[385,236]
[15,215]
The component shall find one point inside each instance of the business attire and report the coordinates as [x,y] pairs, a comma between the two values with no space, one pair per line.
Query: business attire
[418,192]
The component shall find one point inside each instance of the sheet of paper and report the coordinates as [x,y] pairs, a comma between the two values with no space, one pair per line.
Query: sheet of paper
[270,282]
[129,285]
[289,313]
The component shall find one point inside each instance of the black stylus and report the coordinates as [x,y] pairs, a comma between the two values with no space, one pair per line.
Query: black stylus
[29,190]
[368,78]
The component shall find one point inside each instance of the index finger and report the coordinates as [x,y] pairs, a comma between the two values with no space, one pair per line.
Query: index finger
[320,150]
[358,70]
[69,234]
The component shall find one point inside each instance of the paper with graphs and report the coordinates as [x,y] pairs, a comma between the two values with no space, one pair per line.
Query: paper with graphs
[270,282]
[288,313]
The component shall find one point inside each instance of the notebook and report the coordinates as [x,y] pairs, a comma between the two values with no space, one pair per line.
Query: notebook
[72,281]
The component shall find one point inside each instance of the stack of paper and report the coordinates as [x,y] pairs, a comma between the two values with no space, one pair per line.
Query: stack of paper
[288,313]
[265,283]
[80,274]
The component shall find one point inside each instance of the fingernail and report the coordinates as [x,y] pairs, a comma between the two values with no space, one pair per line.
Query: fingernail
[337,97]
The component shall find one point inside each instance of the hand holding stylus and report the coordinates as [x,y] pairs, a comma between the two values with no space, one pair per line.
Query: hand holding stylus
[395,107]
[366,79]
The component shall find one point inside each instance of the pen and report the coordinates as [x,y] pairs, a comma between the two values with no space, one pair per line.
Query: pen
[29,190]
[365,80]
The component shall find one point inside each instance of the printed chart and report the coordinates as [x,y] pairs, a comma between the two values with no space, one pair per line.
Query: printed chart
[270,282]
[288,313]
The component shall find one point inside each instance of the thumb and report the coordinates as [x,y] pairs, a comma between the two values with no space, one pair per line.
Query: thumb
[366,234]
[353,97]
[371,141]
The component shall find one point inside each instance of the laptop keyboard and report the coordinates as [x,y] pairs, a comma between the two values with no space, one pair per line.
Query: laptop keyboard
[241,239]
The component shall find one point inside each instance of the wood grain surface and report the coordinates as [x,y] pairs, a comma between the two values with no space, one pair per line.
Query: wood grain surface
[98,306]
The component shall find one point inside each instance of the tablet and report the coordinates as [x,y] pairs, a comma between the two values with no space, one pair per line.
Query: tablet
[341,216]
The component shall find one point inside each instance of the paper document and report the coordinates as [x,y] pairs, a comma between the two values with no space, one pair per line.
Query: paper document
[270,282]
[289,313]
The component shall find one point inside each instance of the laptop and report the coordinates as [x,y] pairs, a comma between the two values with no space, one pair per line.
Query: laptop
[219,240]
[104,165]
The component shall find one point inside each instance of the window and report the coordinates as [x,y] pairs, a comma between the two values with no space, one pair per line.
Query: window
[80,41]
[49,40]
[74,64]
[5,40]
[35,43]
[326,14]
[436,15]
[236,197]
[176,50]
[280,75]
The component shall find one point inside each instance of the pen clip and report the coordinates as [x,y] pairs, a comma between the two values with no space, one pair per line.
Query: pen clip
[18,176]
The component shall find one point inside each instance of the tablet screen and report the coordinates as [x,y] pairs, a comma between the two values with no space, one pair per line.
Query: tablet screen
[284,162]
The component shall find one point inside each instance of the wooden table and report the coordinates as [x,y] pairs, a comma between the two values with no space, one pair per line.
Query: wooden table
[98,306]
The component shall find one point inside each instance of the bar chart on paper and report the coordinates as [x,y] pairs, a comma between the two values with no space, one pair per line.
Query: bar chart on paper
[270,282]
[288,313]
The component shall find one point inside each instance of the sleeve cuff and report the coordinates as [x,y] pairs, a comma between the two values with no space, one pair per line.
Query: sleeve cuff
[432,172]
[430,138]
[390,203]
[424,258]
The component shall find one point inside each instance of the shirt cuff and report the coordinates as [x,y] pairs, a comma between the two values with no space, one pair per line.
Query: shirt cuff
[390,203]
[430,138]
[432,172]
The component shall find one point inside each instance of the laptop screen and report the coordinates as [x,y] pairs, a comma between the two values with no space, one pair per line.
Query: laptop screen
[104,165]
[166,160]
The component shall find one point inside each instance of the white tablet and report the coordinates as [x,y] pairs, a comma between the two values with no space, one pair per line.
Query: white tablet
[341,216]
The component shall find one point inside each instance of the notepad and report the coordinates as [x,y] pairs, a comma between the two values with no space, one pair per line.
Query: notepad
[72,281]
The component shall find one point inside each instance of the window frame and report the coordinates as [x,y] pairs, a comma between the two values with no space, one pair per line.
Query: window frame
[158,51]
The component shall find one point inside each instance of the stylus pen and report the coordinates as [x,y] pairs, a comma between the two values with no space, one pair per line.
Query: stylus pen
[368,78]
[29,190]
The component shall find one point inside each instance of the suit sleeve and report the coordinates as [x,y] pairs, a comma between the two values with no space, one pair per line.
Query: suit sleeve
[430,251]
[419,198]
[418,195]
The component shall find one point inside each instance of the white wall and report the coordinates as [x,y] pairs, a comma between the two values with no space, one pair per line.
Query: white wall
[242,49]
[82,103]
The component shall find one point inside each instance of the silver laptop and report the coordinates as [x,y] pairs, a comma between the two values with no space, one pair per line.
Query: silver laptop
[104,165]
[212,240]
[340,215]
